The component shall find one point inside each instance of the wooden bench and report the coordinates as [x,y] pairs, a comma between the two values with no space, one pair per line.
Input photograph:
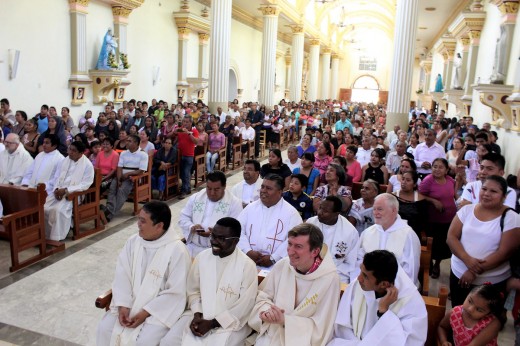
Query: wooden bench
[237,152]
[262,144]
[250,154]
[85,208]
[172,178]
[424,268]
[436,309]
[199,160]
[221,163]
[142,190]
[23,224]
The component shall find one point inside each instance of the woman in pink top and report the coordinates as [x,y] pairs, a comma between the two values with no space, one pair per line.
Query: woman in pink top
[353,165]
[217,140]
[323,157]
[107,161]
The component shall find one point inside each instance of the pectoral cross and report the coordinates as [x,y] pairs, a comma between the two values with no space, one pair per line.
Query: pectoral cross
[279,230]
[155,273]
[341,247]
[228,291]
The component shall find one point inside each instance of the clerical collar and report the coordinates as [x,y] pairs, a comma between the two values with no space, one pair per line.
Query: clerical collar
[313,268]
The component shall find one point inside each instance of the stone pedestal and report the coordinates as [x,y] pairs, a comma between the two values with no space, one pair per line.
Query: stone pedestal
[495,96]
[438,98]
[109,85]
[455,97]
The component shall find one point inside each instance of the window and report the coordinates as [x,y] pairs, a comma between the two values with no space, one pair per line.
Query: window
[367,63]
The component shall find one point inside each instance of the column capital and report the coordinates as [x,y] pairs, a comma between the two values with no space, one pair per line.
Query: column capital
[203,38]
[296,28]
[506,6]
[78,5]
[121,14]
[465,41]
[314,41]
[327,51]
[270,10]
[184,33]
[474,36]
[334,56]
[426,65]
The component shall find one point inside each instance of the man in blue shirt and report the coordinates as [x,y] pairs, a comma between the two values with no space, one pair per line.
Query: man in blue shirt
[344,123]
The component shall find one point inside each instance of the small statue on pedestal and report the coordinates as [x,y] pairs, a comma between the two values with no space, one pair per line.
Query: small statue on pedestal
[109,47]
[438,84]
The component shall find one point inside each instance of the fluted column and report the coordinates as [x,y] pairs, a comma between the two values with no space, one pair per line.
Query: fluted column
[120,15]
[427,68]
[182,63]
[448,61]
[325,74]
[268,68]
[514,99]
[297,62]
[333,93]
[220,19]
[78,49]
[203,55]
[402,65]
[314,61]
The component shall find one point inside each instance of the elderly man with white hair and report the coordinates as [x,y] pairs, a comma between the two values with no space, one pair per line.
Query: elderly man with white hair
[391,233]
[14,161]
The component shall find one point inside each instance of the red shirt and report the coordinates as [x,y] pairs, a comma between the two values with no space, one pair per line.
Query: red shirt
[186,146]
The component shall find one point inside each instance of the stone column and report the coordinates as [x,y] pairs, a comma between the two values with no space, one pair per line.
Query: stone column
[120,30]
[325,74]
[514,99]
[427,68]
[203,55]
[268,68]
[402,65]
[219,47]
[297,62]
[182,63]
[314,62]
[288,60]
[79,77]
[448,64]
[333,93]
[464,67]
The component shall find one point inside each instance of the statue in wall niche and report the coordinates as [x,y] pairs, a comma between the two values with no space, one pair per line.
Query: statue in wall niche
[458,79]
[438,84]
[499,68]
[109,47]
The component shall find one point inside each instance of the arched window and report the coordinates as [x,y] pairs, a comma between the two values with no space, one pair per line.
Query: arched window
[365,89]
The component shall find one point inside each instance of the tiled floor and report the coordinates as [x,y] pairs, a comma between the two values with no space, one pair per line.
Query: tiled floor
[52,302]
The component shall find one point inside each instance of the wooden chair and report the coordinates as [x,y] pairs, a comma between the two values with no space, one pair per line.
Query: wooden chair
[85,208]
[436,309]
[424,269]
[262,145]
[237,152]
[23,224]
[172,178]
[221,163]
[199,161]
[250,154]
[356,189]
[142,191]
[283,143]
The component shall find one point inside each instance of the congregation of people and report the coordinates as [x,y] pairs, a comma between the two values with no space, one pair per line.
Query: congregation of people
[349,205]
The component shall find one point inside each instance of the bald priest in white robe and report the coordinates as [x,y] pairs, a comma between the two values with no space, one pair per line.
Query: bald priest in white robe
[391,233]
[204,209]
[339,234]
[382,307]
[45,164]
[149,288]
[222,287]
[14,160]
[297,301]
[75,173]
[266,222]
[248,190]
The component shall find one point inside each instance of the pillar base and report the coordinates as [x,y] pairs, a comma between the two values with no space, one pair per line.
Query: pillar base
[393,119]
[214,105]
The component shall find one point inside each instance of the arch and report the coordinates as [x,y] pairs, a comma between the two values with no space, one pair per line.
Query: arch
[233,85]
[365,89]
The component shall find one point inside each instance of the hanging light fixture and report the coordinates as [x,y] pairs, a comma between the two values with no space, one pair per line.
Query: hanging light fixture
[342,18]
[324,1]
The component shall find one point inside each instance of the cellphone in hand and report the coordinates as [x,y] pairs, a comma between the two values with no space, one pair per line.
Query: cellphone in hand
[200,230]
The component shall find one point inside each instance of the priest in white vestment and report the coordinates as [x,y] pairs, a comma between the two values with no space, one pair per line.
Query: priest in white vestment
[222,287]
[204,209]
[45,164]
[248,190]
[14,161]
[75,173]
[339,235]
[266,222]
[297,301]
[381,308]
[391,233]
[149,288]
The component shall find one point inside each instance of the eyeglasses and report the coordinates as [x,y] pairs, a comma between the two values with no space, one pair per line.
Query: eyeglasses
[220,238]
[6,142]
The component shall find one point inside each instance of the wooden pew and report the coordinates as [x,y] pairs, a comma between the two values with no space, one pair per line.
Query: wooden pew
[356,189]
[262,143]
[221,163]
[199,175]
[142,190]
[424,268]
[85,208]
[436,308]
[250,154]
[237,152]
[23,224]
[172,178]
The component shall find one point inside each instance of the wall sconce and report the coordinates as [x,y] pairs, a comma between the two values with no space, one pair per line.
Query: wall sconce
[155,71]
[14,58]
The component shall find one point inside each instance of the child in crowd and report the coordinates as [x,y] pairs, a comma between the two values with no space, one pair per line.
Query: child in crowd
[477,321]
[297,197]
[95,148]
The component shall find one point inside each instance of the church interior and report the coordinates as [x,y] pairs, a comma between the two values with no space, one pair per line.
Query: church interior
[457,56]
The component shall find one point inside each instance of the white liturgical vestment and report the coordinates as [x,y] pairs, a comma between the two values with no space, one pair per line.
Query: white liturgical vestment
[400,239]
[42,169]
[310,302]
[404,324]
[13,166]
[265,229]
